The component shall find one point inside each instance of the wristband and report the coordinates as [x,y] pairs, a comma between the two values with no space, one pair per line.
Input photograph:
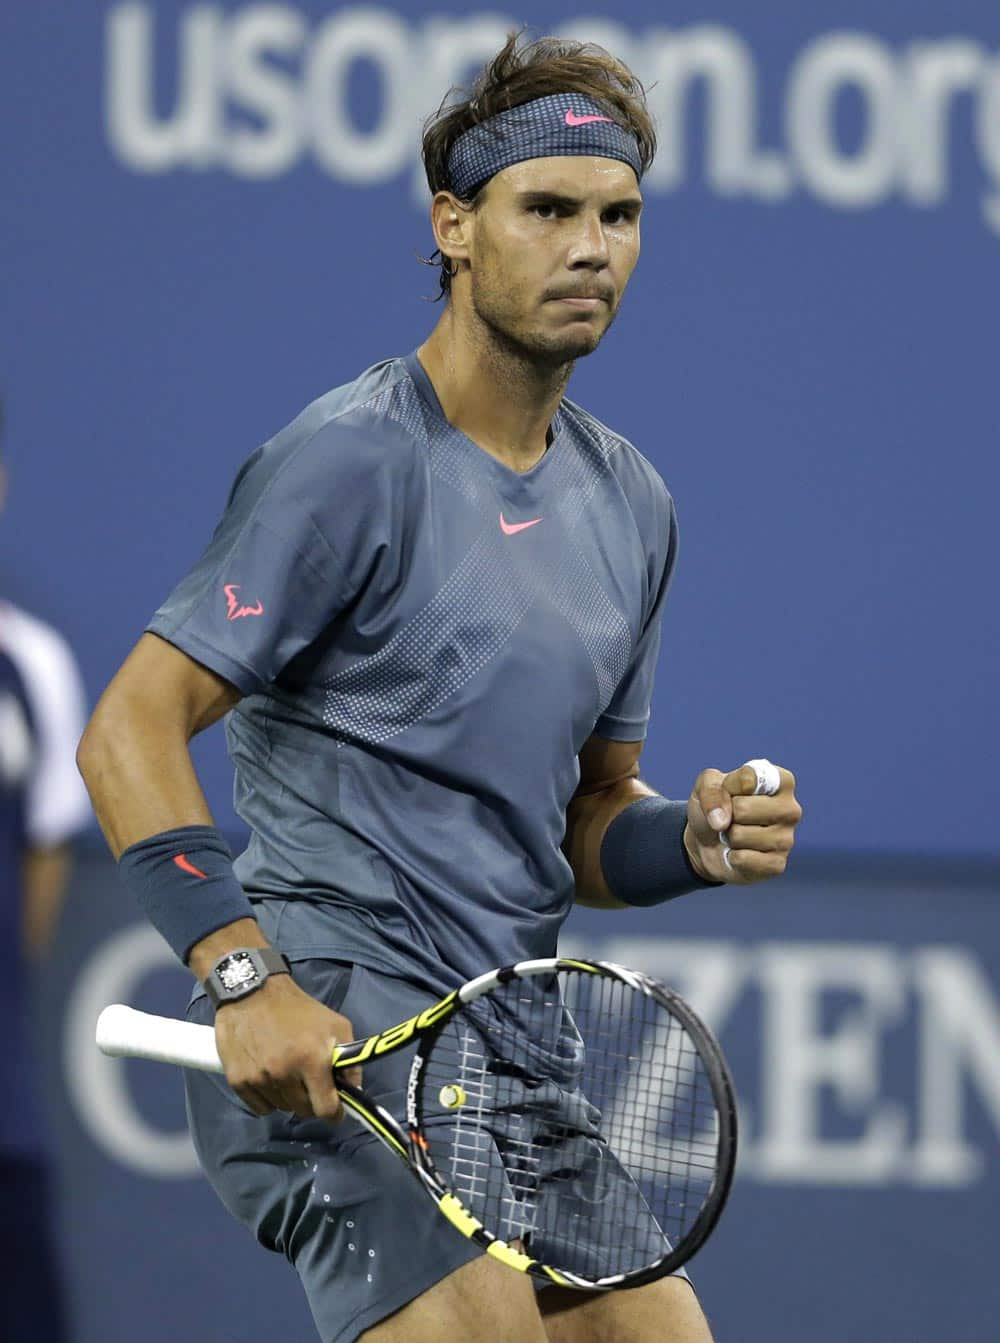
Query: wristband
[184,881]
[643,857]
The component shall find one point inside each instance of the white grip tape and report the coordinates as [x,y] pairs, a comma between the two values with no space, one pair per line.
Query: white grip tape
[126,1033]
[768,783]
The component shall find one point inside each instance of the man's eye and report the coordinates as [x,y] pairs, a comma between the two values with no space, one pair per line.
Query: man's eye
[544,211]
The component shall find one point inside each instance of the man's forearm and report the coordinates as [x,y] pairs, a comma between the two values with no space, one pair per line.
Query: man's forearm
[139,774]
[143,784]
[136,763]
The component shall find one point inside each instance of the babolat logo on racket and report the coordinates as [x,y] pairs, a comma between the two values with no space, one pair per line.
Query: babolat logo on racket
[396,1035]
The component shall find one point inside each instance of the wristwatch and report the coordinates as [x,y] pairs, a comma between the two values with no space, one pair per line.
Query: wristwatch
[242,972]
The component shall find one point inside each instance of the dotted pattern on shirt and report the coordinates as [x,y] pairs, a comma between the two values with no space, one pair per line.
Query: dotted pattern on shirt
[603,630]
[583,472]
[431,657]
[537,130]
[403,404]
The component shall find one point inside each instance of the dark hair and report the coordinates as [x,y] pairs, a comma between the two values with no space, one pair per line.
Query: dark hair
[519,73]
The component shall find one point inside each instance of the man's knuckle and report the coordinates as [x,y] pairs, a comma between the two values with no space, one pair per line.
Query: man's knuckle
[294,1061]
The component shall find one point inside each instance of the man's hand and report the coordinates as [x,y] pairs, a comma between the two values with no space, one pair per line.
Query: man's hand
[276,1045]
[761,829]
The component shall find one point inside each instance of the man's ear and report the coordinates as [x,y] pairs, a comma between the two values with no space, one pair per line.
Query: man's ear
[452,225]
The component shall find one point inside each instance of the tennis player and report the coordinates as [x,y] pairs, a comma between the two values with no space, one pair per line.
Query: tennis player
[432,611]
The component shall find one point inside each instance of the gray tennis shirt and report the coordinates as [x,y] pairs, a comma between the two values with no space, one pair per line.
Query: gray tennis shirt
[425,639]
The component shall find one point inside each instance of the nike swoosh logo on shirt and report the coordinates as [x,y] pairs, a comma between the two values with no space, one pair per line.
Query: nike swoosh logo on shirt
[573,120]
[511,528]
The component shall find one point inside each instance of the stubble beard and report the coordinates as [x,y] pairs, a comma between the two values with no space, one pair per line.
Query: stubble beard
[517,339]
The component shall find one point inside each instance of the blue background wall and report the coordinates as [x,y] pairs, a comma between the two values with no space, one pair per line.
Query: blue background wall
[813,318]
[209,216]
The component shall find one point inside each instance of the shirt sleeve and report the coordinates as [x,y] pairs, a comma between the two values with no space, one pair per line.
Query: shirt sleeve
[270,580]
[627,716]
[56,801]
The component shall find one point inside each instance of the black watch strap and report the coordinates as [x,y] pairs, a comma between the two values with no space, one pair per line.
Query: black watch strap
[243,971]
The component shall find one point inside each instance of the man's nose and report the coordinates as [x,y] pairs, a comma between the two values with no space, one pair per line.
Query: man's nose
[590,245]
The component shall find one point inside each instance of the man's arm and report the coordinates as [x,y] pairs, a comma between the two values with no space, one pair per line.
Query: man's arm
[609,781]
[44,877]
[135,761]
[761,829]
[134,754]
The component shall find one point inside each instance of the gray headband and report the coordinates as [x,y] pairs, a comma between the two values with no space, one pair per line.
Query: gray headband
[560,124]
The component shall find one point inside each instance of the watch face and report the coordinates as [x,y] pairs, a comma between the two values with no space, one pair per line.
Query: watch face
[237,971]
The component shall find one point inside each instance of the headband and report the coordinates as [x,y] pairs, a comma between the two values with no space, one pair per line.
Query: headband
[558,125]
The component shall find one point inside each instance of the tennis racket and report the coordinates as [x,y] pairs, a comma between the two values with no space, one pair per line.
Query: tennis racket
[573,1118]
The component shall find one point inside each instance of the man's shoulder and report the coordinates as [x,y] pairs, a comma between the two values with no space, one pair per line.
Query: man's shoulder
[638,477]
[350,433]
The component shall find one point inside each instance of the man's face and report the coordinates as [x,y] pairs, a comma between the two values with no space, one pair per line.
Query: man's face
[553,244]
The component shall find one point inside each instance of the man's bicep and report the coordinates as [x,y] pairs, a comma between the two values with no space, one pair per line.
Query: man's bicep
[181,691]
[604,763]
[609,781]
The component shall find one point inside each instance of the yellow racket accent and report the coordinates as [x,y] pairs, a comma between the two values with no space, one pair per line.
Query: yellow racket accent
[509,1256]
[460,1219]
[451,1097]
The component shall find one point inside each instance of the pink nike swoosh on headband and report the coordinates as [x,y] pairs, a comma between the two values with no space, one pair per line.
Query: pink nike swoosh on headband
[512,528]
[573,120]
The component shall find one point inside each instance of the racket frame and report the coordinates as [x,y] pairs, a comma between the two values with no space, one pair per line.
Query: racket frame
[411,1147]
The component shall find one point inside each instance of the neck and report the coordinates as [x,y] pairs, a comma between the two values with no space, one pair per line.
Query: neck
[492,392]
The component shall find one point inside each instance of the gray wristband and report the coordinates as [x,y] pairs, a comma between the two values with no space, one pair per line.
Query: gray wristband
[643,857]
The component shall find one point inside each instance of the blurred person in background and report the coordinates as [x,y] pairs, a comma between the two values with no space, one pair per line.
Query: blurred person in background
[42,805]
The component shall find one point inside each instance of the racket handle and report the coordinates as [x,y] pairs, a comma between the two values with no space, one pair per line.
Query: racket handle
[126,1033]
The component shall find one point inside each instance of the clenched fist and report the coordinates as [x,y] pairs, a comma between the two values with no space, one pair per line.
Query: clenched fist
[761,829]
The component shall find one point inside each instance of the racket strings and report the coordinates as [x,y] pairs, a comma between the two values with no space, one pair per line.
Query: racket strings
[574,1113]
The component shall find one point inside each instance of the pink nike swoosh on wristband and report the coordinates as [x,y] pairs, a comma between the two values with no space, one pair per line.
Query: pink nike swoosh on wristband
[573,120]
[181,860]
[512,528]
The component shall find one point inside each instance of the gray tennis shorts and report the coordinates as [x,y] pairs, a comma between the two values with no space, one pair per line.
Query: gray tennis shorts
[362,1234]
